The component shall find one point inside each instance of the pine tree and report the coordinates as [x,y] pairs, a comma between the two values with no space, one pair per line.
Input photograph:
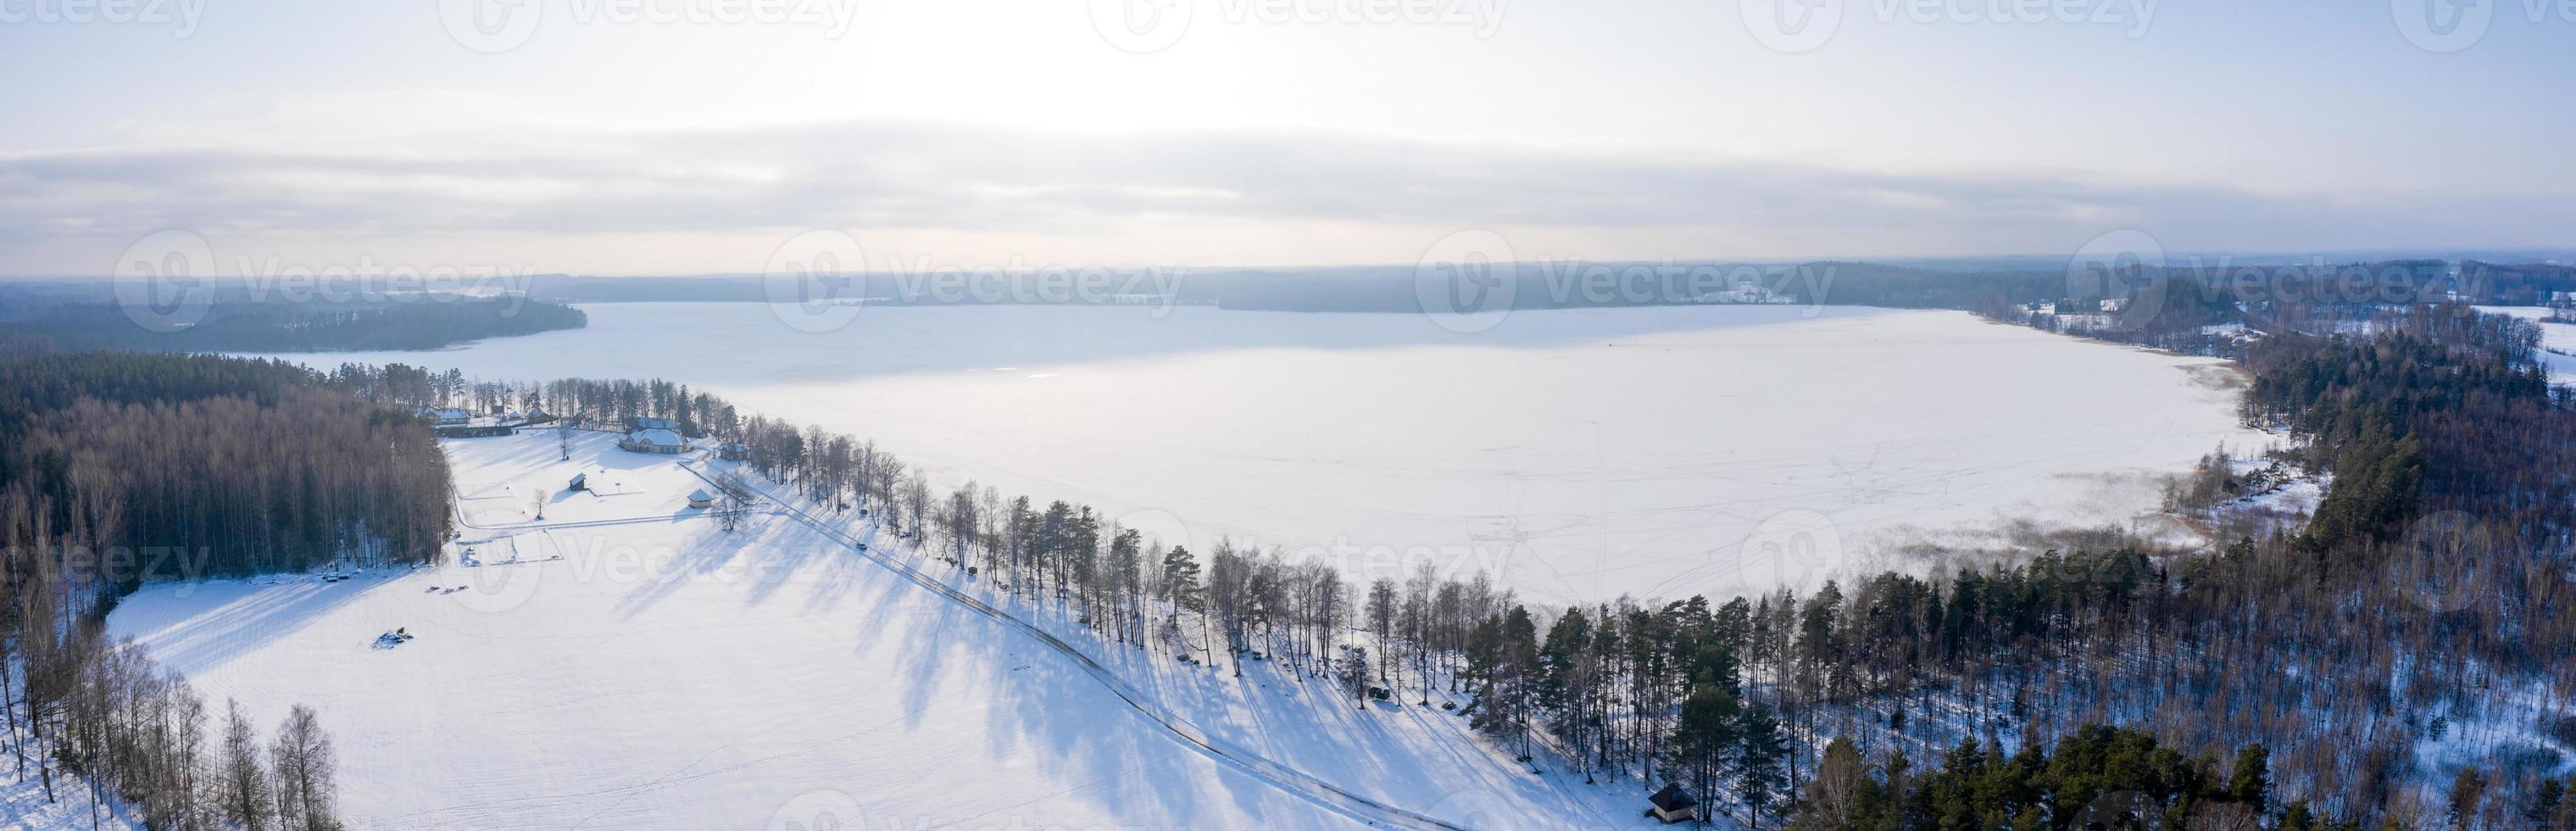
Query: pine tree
[1758,777]
[2297,817]
[2545,803]
[2252,781]
[1704,740]
[2468,790]
[1503,654]
[1181,584]
[1354,675]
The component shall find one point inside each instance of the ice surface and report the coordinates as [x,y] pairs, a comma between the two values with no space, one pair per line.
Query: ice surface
[1576,454]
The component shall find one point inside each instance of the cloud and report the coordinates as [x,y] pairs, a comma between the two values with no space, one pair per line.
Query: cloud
[955,181]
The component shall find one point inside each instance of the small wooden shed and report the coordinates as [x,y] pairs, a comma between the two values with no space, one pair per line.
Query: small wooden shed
[1672,804]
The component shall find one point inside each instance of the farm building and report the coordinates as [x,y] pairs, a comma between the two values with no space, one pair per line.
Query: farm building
[654,440]
[444,416]
[1672,805]
[701,499]
[580,482]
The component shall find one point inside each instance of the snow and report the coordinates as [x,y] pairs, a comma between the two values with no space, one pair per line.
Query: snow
[657,437]
[666,674]
[23,803]
[2491,724]
[2557,340]
[644,669]
[1576,454]
[2284,506]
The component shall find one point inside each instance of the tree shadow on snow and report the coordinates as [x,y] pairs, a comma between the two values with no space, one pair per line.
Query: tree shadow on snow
[266,609]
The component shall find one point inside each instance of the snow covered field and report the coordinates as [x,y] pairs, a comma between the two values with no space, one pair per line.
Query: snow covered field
[1577,454]
[640,668]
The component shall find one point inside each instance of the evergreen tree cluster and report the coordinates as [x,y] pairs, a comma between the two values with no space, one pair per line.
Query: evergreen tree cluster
[116,468]
[2095,777]
[131,466]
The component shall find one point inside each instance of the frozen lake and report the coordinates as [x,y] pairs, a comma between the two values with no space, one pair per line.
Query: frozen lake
[1577,454]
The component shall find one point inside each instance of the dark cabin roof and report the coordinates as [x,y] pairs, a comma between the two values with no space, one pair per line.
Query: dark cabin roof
[1672,798]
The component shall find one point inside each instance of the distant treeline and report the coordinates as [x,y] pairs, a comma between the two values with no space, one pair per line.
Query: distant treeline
[282,326]
[1349,289]
[2193,290]
[2518,285]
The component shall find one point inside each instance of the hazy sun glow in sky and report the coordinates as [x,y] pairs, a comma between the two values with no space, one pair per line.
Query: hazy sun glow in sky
[694,136]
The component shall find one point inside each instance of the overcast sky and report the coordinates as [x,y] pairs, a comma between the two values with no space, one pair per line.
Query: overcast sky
[608,137]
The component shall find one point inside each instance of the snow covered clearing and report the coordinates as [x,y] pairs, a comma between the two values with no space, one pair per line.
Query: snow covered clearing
[638,667]
[1576,454]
